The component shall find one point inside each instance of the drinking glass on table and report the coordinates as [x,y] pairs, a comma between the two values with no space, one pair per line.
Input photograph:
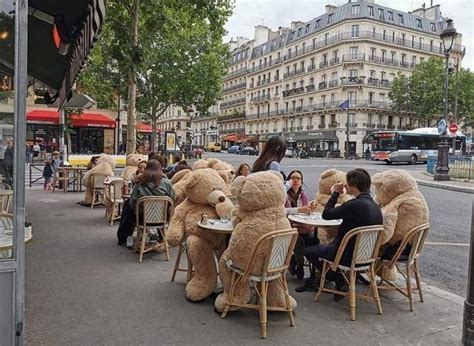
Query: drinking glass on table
[313,214]
[225,218]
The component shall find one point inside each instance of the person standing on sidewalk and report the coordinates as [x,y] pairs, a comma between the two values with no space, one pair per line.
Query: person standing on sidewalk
[271,156]
[8,162]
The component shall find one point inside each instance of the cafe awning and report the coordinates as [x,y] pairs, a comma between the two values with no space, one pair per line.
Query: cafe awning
[144,128]
[60,37]
[230,138]
[48,117]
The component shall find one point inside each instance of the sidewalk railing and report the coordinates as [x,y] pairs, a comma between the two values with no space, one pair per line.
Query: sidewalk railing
[460,166]
[35,175]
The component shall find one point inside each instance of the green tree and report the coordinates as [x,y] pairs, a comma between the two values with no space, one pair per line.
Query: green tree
[189,62]
[422,93]
[175,49]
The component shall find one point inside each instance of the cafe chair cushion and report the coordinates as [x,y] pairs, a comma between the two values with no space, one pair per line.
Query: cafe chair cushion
[202,244]
[105,166]
[261,199]
[327,180]
[403,208]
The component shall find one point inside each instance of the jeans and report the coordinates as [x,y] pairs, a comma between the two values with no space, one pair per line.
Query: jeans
[304,241]
[313,253]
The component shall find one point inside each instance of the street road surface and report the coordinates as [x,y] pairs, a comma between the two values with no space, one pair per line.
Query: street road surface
[444,261]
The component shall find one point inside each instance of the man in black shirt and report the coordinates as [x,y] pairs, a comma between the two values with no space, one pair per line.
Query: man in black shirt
[358,212]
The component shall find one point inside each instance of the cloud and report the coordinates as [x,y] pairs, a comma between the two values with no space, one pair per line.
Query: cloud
[275,13]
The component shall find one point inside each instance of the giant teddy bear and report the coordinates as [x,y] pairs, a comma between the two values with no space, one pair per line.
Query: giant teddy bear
[132,165]
[261,210]
[403,208]
[327,179]
[179,181]
[105,165]
[226,171]
[204,195]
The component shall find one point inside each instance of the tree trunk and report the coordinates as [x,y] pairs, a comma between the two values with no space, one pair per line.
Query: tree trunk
[153,134]
[132,85]
[68,144]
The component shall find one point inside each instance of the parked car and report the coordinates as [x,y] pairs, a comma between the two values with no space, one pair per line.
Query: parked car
[233,149]
[289,153]
[214,147]
[248,151]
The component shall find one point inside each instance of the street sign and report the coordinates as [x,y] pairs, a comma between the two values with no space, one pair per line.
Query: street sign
[453,128]
[441,126]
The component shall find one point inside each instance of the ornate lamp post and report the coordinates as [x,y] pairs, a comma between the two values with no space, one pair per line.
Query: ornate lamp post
[448,36]
[292,120]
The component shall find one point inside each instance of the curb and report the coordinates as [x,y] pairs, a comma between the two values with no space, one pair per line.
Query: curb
[445,187]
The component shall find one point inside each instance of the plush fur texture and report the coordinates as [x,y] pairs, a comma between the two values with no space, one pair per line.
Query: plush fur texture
[225,170]
[132,165]
[105,165]
[204,195]
[179,182]
[261,210]
[327,179]
[403,207]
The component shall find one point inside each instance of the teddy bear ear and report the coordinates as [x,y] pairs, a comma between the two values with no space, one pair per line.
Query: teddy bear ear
[211,163]
[237,185]
[194,179]
[328,173]
[224,175]
[377,178]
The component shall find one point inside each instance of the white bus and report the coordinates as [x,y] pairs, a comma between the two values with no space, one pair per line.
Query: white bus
[410,146]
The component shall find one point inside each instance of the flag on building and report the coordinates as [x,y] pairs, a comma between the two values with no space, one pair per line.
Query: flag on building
[344,105]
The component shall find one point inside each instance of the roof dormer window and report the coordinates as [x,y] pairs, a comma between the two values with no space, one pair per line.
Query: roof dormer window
[371,10]
[418,23]
[355,9]
[330,18]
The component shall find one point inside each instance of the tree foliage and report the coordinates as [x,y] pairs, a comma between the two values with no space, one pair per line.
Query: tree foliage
[180,59]
[422,93]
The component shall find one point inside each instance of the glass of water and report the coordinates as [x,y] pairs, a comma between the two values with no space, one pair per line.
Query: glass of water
[313,215]
[225,218]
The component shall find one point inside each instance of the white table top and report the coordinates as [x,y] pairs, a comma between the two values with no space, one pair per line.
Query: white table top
[217,226]
[110,179]
[315,220]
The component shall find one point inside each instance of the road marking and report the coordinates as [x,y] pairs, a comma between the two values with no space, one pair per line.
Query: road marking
[447,244]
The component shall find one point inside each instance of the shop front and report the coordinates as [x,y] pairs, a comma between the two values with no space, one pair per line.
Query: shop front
[90,133]
[144,132]
[316,143]
[233,139]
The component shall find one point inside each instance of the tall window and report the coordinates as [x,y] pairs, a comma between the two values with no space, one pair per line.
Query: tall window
[373,51]
[353,73]
[419,24]
[390,15]
[381,16]
[330,18]
[400,18]
[353,52]
[355,31]
[371,10]
[355,9]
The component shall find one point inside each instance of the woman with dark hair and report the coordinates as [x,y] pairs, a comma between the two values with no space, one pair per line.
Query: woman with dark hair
[297,202]
[179,167]
[271,156]
[150,183]
[244,170]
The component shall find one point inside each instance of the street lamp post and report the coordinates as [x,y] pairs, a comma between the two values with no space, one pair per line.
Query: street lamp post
[448,36]
[292,120]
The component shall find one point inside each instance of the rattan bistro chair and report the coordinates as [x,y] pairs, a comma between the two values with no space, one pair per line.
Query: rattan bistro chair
[152,212]
[277,258]
[114,200]
[416,237]
[366,249]
[189,269]
[98,189]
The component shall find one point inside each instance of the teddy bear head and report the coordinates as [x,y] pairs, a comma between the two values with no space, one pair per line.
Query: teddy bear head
[202,184]
[328,178]
[134,159]
[259,191]
[225,170]
[106,159]
[392,183]
[199,164]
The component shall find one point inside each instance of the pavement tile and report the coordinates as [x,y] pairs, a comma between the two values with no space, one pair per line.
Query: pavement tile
[82,289]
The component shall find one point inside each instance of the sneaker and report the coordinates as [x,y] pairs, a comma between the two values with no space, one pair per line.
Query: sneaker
[309,285]
[300,272]
[129,242]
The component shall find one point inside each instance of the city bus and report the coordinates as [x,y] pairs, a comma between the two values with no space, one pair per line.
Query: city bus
[410,146]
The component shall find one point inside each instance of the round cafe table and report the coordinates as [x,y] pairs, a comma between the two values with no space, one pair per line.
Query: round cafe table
[314,220]
[217,226]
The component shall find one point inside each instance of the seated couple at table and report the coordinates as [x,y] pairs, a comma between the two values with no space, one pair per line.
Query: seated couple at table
[358,212]
[149,183]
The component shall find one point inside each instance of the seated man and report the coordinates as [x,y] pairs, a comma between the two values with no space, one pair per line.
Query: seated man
[358,212]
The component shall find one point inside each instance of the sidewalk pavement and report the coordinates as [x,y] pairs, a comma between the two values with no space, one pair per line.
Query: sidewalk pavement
[425,179]
[82,289]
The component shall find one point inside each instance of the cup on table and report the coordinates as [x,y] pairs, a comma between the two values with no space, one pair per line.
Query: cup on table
[313,215]
[225,218]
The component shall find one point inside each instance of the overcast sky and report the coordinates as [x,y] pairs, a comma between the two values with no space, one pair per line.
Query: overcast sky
[275,13]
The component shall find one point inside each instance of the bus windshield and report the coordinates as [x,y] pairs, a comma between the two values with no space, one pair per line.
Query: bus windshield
[385,141]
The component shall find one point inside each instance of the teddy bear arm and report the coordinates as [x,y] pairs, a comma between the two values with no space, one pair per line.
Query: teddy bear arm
[390,217]
[176,227]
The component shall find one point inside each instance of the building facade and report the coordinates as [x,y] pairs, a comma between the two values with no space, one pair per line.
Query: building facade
[297,79]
